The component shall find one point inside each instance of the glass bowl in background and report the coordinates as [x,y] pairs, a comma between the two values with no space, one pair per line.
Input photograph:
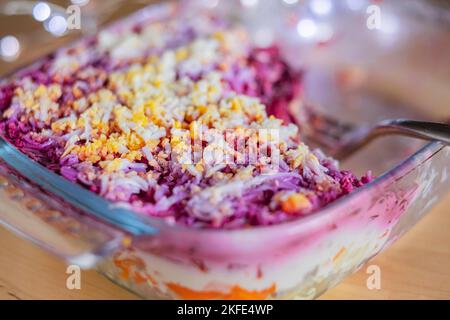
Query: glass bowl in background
[358,74]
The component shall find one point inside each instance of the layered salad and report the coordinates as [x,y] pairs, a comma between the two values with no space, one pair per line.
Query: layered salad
[184,120]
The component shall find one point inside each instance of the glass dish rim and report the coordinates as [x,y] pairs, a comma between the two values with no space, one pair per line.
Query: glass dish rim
[139,224]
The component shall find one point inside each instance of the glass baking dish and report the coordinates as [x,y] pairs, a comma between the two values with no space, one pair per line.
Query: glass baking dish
[300,259]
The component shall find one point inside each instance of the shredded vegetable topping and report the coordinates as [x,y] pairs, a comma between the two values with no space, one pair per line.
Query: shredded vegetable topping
[180,120]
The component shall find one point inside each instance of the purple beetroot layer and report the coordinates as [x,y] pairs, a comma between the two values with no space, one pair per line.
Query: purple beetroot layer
[141,117]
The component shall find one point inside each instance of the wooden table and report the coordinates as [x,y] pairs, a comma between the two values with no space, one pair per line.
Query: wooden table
[416,267]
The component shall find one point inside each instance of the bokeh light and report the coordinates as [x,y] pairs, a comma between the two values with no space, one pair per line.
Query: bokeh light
[321,7]
[290,2]
[9,47]
[80,2]
[307,28]
[356,5]
[41,11]
[249,3]
[57,25]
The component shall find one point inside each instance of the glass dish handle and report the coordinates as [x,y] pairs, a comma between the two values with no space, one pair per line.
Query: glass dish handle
[59,215]
[53,225]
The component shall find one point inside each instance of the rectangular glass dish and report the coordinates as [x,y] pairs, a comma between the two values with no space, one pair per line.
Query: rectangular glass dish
[296,259]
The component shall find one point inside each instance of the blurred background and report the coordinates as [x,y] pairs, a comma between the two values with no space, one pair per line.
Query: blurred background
[30,29]
[413,43]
